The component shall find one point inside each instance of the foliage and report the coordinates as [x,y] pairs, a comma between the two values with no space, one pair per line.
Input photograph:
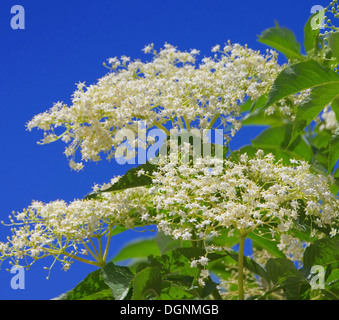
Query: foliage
[192,257]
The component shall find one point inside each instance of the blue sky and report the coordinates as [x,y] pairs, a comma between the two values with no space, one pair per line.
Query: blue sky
[65,42]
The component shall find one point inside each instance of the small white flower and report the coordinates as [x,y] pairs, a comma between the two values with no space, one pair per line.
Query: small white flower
[148,48]
[194,263]
[201,282]
[333,232]
[203,261]
[216,48]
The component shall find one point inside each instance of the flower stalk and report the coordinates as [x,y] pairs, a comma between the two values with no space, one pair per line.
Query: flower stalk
[241,266]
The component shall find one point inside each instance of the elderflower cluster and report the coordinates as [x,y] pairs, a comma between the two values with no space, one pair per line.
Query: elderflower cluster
[195,201]
[173,86]
[62,230]
[286,108]
[328,120]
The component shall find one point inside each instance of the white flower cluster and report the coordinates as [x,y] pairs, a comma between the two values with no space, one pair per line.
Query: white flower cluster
[173,87]
[62,230]
[195,201]
[328,120]
[286,108]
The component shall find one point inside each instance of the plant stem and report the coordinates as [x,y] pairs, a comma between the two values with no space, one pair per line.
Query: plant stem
[161,127]
[215,118]
[89,250]
[100,257]
[94,247]
[107,244]
[241,266]
[81,259]
[216,295]
[186,123]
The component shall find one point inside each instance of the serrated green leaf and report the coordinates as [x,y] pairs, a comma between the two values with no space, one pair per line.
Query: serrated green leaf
[249,150]
[130,179]
[250,264]
[148,281]
[283,40]
[191,253]
[101,295]
[299,77]
[138,249]
[333,43]
[321,140]
[276,140]
[260,118]
[280,269]
[333,155]
[322,252]
[209,287]
[282,272]
[92,284]
[320,97]
[223,240]
[166,243]
[311,34]
[252,105]
[335,107]
[118,278]
[183,280]
[264,241]
[118,229]
[175,292]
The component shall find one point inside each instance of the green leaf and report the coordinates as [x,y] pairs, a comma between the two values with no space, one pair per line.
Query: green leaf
[322,252]
[260,118]
[218,267]
[171,262]
[148,281]
[118,229]
[299,77]
[321,140]
[280,269]
[249,150]
[246,106]
[320,97]
[138,249]
[93,284]
[251,105]
[333,151]
[264,241]
[191,253]
[175,292]
[333,278]
[224,240]
[209,287]
[129,180]
[333,43]
[166,243]
[101,295]
[311,34]
[276,140]
[283,273]
[250,264]
[283,40]
[195,253]
[118,278]
[336,174]
[181,279]
[335,185]
[335,107]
